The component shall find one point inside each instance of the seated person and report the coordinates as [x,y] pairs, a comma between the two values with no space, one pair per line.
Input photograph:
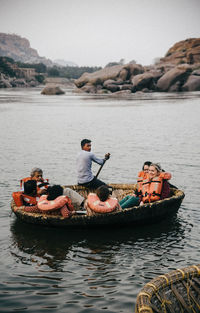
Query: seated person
[145,168]
[76,198]
[101,202]
[130,201]
[28,197]
[142,175]
[42,184]
[134,199]
[30,193]
[152,187]
[56,201]
[155,187]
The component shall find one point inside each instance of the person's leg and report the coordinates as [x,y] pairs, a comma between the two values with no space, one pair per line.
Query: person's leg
[95,183]
[132,201]
[121,202]
[76,198]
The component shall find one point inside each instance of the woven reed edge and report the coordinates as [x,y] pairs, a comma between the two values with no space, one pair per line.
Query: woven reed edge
[145,295]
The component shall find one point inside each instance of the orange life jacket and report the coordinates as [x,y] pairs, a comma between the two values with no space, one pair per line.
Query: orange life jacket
[17,197]
[98,206]
[43,184]
[21,199]
[141,176]
[58,203]
[29,200]
[151,189]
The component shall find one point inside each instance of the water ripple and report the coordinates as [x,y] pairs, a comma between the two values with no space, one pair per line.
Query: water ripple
[55,270]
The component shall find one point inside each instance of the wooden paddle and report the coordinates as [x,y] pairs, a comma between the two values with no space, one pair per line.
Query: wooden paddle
[97,174]
[107,156]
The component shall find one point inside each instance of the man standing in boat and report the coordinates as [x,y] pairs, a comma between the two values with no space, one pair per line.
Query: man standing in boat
[84,166]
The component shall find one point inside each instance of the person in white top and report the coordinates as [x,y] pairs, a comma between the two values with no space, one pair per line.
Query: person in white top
[84,166]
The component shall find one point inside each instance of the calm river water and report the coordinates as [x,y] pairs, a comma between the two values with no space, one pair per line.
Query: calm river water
[55,270]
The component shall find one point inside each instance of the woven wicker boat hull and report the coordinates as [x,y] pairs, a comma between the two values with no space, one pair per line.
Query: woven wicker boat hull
[148,213]
[175,292]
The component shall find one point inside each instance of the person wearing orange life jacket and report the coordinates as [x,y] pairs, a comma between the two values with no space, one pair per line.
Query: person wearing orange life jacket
[101,202]
[155,187]
[28,197]
[56,201]
[134,199]
[141,176]
[42,184]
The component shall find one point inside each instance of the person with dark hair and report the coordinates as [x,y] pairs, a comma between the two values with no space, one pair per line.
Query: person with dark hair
[134,199]
[56,201]
[30,188]
[103,193]
[54,191]
[101,202]
[84,166]
[28,197]
[142,175]
[155,187]
[146,165]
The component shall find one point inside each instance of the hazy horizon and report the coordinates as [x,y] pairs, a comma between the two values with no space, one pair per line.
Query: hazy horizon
[94,33]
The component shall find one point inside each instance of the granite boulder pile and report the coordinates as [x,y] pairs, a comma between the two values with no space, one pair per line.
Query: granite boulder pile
[179,70]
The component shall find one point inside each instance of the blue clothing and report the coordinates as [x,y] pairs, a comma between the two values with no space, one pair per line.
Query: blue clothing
[84,166]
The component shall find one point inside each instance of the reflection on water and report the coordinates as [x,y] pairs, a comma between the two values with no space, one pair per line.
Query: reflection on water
[105,265]
[57,270]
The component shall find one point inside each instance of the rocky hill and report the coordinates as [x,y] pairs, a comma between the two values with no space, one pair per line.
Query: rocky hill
[19,49]
[185,51]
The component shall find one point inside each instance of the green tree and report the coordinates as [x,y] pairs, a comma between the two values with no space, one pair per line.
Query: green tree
[39,78]
[53,72]
[39,67]
[5,66]
[72,72]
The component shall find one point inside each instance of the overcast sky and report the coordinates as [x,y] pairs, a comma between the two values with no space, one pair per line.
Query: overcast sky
[95,32]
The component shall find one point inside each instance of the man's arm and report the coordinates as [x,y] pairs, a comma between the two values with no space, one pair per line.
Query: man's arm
[97,160]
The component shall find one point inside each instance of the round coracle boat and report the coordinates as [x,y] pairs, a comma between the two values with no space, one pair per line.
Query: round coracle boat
[175,292]
[147,213]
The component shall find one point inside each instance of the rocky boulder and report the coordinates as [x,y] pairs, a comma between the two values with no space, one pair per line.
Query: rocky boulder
[134,69]
[52,90]
[196,72]
[192,84]
[100,76]
[89,88]
[4,81]
[113,87]
[145,80]
[171,73]
[179,73]
[185,51]
[19,82]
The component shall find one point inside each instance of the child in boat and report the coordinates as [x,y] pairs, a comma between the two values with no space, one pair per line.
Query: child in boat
[101,202]
[56,202]
[37,175]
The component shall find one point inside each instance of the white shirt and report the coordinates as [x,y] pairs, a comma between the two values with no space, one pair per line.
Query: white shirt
[84,166]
